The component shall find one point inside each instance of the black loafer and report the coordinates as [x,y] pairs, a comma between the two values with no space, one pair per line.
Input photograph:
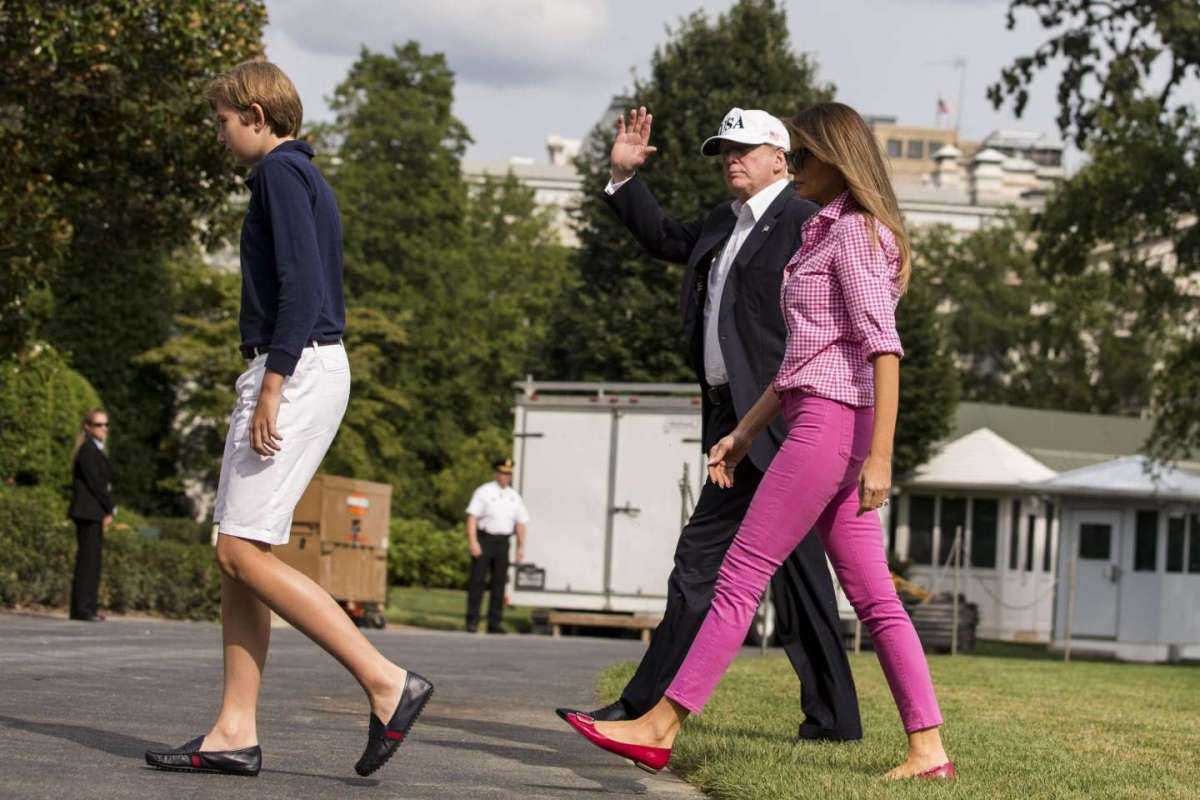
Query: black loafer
[613,712]
[189,758]
[382,740]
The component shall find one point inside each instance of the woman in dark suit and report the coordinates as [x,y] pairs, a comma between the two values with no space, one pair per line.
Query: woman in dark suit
[91,509]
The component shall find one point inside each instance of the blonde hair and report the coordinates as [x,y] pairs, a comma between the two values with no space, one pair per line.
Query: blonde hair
[837,135]
[82,434]
[263,83]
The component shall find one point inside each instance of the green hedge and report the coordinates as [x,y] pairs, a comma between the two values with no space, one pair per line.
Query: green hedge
[421,554]
[37,557]
[42,402]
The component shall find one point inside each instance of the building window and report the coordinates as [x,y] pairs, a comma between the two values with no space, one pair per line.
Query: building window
[894,148]
[934,147]
[985,519]
[1048,548]
[1176,528]
[920,529]
[916,148]
[954,517]
[1031,527]
[1145,546]
[1014,536]
[1194,545]
[1095,542]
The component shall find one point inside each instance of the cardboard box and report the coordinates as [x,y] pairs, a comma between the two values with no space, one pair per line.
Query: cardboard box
[340,537]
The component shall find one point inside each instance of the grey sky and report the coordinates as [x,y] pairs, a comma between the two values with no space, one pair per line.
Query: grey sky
[529,68]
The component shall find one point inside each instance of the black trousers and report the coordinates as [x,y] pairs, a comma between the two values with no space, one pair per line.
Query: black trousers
[86,584]
[489,568]
[802,591]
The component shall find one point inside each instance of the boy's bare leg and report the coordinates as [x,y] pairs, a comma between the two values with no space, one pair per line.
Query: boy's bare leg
[246,632]
[310,609]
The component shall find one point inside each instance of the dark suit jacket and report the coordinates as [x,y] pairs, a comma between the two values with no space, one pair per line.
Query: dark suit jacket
[91,493]
[750,324]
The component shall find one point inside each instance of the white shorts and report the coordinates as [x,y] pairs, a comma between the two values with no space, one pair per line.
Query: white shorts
[256,494]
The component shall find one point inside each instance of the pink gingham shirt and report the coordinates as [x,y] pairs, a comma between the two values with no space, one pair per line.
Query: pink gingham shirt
[839,298]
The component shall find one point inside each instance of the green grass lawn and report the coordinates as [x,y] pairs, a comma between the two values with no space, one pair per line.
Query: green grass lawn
[1016,728]
[443,609]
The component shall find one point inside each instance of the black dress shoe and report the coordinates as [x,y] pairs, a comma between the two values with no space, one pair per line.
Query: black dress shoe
[497,631]
[382,740]
[189,758]
[613,712]
[87,618]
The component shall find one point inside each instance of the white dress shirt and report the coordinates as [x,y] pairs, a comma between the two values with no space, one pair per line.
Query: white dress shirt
[748,214]
[497,510]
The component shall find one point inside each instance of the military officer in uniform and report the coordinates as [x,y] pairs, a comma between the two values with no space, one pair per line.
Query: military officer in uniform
[495,514]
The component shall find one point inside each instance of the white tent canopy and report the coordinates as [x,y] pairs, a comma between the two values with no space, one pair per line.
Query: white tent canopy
[984,460]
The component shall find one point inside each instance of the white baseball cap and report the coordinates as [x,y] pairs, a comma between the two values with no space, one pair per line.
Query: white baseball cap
[750,126]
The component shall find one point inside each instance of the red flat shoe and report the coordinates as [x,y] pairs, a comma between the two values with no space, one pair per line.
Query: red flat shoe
[651,759]
[944,772]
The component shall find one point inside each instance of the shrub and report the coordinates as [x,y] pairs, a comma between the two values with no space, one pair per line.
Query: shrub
[421,554]
[37,558]
[42,401]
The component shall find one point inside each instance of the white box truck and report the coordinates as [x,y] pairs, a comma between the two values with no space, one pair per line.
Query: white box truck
[610,473]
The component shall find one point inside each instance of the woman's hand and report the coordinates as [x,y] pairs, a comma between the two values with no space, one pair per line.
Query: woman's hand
[874,484]
[724,457]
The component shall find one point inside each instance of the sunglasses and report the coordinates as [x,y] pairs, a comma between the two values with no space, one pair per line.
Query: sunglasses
[795,159]
[97,424]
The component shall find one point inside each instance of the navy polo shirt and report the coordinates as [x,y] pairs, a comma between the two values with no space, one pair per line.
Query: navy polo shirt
[291,253]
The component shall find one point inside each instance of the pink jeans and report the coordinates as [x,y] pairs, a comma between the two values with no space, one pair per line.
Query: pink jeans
[812,483]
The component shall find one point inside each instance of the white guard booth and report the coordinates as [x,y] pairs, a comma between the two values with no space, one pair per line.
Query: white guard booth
[1131,551]
[609,473]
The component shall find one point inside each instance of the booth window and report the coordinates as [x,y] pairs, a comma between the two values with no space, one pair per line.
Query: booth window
[1048,550]
[954,516]
[1014,536]
[1145,547]
[1029,542]
[1194,545]
[985,518]
[920,529]
[1176,530]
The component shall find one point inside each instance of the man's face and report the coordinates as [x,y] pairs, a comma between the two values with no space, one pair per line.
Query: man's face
[243,139]
[98,427]
[504,479]
[750,168]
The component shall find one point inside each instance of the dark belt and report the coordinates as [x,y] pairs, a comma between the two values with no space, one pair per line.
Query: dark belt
[253,351]
[719,395]
[489,533]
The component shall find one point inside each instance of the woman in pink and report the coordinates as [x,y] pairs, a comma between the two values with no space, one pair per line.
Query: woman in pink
[838,389]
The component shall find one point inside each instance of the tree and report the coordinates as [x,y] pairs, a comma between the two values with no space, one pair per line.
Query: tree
[111,166]
[448,287]
[1124,227]
[622,321]
[929,382]
[201,361]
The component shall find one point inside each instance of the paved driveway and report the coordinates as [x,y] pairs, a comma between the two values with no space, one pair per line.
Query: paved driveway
[80,702]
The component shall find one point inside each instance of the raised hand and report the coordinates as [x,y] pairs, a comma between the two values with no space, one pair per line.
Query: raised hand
[723,459]
[632,147]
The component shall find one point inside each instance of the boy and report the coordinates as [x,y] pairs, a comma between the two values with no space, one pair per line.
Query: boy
[290,402]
